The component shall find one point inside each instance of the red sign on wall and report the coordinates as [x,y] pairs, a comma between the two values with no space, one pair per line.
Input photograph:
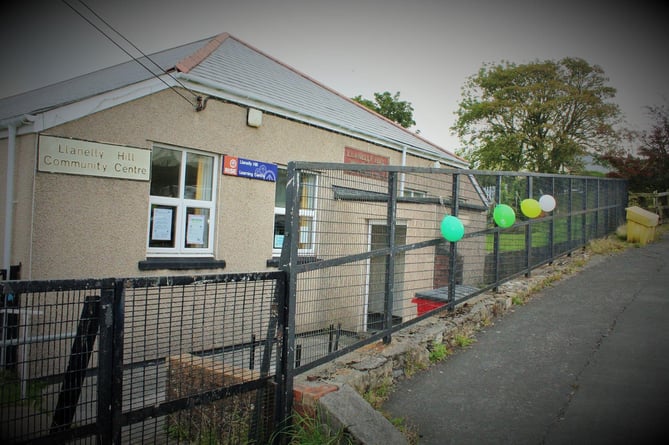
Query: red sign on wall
[355,156]
[230,165]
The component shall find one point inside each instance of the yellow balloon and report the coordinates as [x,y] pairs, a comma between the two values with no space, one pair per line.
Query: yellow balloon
[530,208]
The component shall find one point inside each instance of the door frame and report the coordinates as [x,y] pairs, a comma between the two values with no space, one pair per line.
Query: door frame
[371,223]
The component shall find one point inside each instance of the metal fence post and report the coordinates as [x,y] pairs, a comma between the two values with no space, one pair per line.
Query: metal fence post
[528,234]
[110,363]
[288,264]
[105,366]
[625,198]
[118,311]
[452,255]
[569,205]
[584,217]
[551,225]
[496,250]
[607,202]
[281,308]
[597,206]
[389,294]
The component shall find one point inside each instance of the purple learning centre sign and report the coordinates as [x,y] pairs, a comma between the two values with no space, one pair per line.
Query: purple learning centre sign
[248,168]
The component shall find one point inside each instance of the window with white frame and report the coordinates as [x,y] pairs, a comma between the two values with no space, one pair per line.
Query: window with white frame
[182,202]
[413,193]
[307,216]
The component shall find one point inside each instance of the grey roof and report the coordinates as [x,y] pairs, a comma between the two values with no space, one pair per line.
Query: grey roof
[92,84]
[226,64]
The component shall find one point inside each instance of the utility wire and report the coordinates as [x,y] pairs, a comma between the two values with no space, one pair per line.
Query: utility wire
[128,53]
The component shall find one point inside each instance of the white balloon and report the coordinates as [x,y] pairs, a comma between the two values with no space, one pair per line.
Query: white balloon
[547,203]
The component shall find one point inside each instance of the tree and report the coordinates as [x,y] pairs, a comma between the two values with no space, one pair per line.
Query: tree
[390,106]
[541,116]
[648,170]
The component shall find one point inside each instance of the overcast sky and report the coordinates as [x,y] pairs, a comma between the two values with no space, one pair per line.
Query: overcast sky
[425,49]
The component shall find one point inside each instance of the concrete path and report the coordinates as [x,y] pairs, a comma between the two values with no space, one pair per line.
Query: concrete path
[584,362]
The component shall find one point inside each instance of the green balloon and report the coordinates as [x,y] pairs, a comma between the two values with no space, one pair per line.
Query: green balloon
[504,215]
[452,228]
[530,208]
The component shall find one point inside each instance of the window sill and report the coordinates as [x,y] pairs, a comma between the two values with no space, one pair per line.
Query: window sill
[274,262]
[177,263]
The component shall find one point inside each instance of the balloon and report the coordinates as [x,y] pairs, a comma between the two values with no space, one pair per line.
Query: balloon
[504,215]
[547,203]
[452,228]
[530,208]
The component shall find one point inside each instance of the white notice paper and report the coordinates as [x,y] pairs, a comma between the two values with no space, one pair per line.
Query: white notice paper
[162,224]
[195,230]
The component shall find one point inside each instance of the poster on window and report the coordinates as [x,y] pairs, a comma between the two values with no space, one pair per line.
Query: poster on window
[195,229]
[162,224]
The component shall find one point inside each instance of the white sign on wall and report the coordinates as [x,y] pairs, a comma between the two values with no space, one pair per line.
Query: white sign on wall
[77,157]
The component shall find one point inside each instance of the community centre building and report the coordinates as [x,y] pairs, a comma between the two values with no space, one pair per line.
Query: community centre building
[130,171]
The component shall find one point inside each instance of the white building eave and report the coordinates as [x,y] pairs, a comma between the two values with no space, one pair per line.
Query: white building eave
[43,120]
[217,90]
[61,114]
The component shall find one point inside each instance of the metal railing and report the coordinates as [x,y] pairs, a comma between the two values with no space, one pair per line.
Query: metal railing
[365,255]
[194,359]
[142,360]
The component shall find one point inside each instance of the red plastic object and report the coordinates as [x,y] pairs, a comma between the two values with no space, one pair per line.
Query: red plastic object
[425,305]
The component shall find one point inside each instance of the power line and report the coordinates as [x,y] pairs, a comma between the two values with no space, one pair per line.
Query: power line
[127,52]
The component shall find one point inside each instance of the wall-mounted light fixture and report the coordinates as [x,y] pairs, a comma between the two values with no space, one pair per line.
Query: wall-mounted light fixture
[254,118]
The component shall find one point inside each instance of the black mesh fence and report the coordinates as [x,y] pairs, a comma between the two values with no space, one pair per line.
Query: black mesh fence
[164,360]
[366,253]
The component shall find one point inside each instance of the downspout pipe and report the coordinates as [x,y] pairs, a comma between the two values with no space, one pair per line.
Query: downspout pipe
[404,163]
[11,126]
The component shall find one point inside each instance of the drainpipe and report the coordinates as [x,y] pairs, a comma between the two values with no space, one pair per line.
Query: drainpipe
[11,126]
[404,163]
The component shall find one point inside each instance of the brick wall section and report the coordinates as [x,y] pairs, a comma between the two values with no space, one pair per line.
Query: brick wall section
[228,419]
[189,375]
[306,395]
[442,262]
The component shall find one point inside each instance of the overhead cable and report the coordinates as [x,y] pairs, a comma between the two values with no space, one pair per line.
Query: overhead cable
[127,52]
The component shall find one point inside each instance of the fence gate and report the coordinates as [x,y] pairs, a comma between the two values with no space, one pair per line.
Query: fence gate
[142,360]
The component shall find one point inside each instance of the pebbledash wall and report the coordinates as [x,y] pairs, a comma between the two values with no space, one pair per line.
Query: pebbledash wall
[96,196]
[114,174]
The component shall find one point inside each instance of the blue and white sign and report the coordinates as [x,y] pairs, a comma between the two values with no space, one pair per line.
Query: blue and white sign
[248,168]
